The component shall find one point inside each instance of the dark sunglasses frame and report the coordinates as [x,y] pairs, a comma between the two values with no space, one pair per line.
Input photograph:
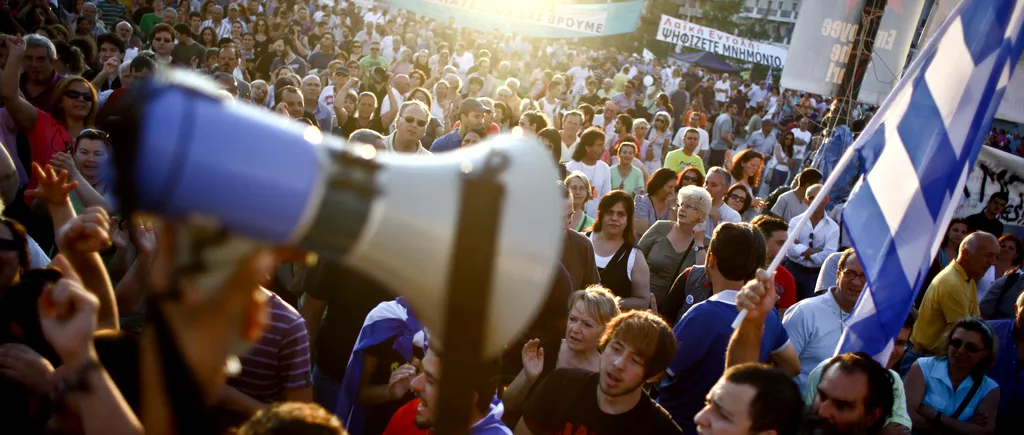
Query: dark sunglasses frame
[418,122]
[74,95]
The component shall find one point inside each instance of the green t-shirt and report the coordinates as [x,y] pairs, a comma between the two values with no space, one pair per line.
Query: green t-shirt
[368,63]
[633,180]
[677,161]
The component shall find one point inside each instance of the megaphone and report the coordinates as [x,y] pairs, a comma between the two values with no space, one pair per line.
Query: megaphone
[395,218]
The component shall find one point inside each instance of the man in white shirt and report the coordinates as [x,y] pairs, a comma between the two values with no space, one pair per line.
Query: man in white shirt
[814,243]
[693,122]
[722,89]
[717,183]
[815,325]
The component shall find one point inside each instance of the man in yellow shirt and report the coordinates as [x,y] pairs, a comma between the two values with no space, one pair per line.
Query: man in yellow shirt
[951,297]
[681,158]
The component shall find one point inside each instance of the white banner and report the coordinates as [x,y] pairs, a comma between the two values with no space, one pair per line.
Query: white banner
[687,34]
[995,171]
[576,18]
[1012,107]
[826,31]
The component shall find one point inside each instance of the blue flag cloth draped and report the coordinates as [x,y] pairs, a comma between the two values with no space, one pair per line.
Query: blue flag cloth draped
[387,320]
[917,153]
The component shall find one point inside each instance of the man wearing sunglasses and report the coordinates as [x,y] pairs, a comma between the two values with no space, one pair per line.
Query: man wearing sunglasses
[410,127]
[815,324]
[338,75]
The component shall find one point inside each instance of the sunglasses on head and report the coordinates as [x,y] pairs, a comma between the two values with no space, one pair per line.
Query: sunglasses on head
[419,122]
[957,343]
[74,95]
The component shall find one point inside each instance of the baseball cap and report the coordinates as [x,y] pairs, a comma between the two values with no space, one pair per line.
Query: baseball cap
[471,105]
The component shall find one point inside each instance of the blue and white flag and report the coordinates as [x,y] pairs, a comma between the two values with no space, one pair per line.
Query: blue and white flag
[918,151]
[392,319]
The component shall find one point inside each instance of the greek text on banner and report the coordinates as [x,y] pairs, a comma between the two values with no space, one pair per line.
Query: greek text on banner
[676,31]
[577,19]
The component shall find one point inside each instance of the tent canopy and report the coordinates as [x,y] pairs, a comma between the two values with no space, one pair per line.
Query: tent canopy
[706,60]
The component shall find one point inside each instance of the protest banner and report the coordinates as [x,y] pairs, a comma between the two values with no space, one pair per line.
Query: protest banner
[996,171]
[826,31]
[535,18]
[687,34]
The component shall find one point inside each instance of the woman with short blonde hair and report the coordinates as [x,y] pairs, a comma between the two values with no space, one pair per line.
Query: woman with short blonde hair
[672,246]
[590,310]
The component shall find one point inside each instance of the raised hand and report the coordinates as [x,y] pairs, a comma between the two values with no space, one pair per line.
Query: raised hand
[53,187]
[533,359]
[88,232]
[758,296]
[111,65]
[144,238]
[67,315]
[401,380]
[64,162]
[118,237]
[16,45]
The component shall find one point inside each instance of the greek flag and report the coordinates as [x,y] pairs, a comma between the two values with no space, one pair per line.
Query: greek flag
[388,320]
[918,151]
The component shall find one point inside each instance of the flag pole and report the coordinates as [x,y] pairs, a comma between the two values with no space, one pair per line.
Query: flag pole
[844,161]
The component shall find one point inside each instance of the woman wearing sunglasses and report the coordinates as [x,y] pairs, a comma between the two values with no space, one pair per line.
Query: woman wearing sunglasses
[73,110]
[950,393]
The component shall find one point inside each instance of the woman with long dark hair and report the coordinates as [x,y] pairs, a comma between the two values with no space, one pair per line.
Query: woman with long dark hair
[781,159]
[946,393]
[658,203]
[746,170]
[622,266]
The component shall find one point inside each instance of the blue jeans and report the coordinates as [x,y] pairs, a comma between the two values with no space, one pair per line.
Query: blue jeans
[325,390]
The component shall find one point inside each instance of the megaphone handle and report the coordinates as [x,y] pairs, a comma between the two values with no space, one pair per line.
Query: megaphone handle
[469,294]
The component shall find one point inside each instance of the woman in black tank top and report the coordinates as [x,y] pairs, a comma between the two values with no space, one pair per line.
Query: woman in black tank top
[623,267]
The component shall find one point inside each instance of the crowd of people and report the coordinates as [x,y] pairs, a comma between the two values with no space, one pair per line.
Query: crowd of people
[680,185]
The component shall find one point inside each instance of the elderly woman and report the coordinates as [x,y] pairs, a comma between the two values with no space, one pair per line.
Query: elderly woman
[579,187]
[657,204]
[671,247]
[589,311]
[950,393]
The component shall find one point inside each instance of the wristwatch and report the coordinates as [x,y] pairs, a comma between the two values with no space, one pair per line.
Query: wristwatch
[698,248]
[937,419]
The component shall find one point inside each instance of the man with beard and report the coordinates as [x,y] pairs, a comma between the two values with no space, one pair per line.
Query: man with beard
[423,411]
[636,347]
[855,392]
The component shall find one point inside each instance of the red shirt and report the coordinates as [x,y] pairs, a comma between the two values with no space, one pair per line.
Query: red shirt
[785,285]
[403,422]
[48,137]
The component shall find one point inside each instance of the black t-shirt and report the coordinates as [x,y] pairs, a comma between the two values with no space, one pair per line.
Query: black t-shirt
[351,125]
[980,222]
[388,360]
[350,296]
[566,402]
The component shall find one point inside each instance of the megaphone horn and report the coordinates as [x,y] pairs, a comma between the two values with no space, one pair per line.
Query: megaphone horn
[395,218]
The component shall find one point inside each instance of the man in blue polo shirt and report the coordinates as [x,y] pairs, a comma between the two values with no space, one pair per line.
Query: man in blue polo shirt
[737,250]
[471,115]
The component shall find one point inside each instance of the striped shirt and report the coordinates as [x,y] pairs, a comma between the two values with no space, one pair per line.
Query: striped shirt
[112,11]
[280,360]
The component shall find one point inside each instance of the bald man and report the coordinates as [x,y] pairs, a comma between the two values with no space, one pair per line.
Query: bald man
[814,243]
[951,297]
